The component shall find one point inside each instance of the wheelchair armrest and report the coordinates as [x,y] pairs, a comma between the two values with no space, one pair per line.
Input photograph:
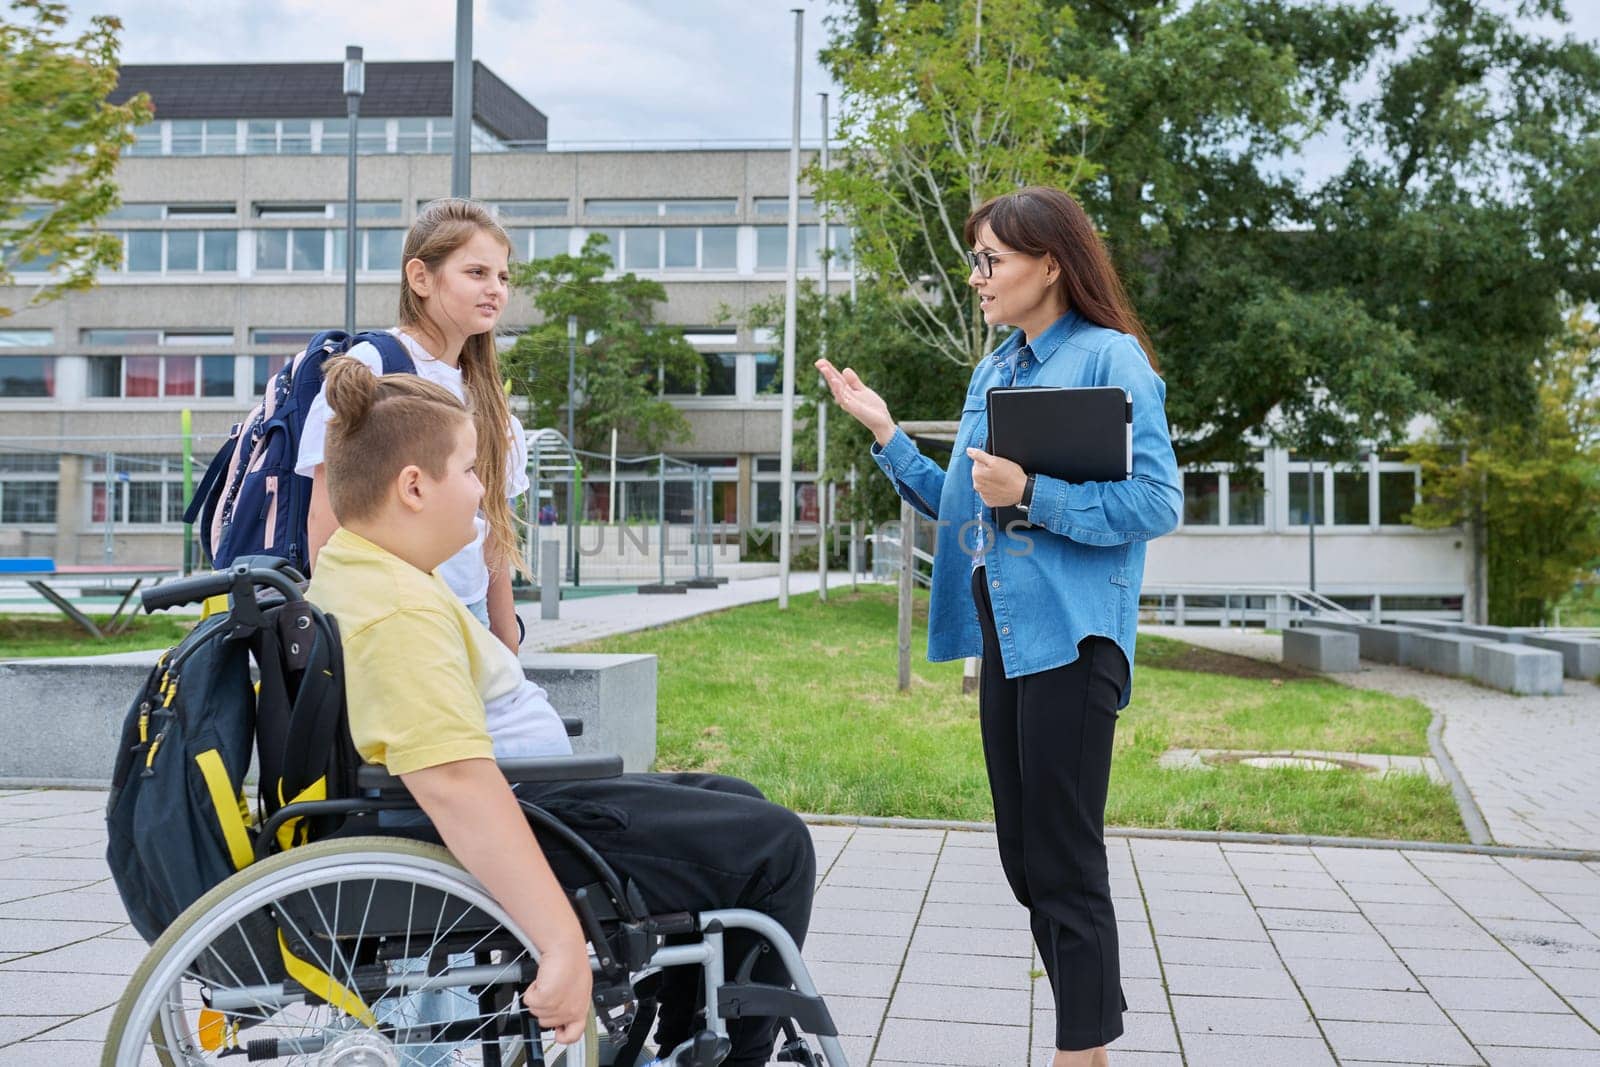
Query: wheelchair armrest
[573,726]
[532,769]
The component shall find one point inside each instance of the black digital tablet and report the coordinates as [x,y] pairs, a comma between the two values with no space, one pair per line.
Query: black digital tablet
[1077,435]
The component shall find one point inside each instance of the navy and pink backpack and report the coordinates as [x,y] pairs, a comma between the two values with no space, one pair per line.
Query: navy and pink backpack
[251,502]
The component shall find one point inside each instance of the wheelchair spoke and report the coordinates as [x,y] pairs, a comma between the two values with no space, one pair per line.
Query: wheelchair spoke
[374,990]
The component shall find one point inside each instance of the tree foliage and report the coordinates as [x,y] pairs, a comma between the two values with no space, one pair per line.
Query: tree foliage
[1532,488]
[1423,272]
[945,106]
[867,334]
[621,352]
[59,152]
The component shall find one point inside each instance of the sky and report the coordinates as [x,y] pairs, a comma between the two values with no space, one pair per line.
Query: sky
[602,70]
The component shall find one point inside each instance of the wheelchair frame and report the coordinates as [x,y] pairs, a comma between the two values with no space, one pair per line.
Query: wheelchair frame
[633,949]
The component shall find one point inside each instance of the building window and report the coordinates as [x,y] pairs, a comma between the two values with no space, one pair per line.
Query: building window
[291,250]
[1202,498]
[716,376]
[149,376]
[179,251]
[145,490]
[265,367]
[766,481]
[27,376]
[27,338]
[769,375]
[659,208]
[772,247]
[1247,497]
[541,242]
[1397,495]
[1350,497]
[380,249]
[1377,490]
[28,482]
[779,205]
[507,210]
[291,336]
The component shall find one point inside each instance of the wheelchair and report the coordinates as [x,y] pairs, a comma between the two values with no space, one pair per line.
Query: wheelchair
[365,947]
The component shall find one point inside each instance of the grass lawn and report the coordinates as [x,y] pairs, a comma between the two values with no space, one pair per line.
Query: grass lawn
[804,704]
[28,636]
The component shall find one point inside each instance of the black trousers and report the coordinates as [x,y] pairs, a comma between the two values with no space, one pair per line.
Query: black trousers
[1047,744]
[693,842]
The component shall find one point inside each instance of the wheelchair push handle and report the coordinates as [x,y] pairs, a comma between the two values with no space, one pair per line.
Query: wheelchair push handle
[241,580]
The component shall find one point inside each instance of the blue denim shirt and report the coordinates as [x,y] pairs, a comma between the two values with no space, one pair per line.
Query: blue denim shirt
[1078,572]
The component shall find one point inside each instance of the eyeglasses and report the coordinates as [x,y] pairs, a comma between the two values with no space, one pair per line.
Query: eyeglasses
[983,262]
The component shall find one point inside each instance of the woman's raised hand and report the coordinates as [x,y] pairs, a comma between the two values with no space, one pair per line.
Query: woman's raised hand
[859,402]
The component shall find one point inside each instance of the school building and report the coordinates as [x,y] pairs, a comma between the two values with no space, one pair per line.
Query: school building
[233,223]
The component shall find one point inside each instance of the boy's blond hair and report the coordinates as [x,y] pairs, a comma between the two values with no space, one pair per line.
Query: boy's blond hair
[379,427]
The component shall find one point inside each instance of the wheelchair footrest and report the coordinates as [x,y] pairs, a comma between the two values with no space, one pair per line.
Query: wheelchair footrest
[749,999]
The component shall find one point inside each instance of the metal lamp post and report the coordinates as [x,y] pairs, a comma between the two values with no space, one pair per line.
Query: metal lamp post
[355,80]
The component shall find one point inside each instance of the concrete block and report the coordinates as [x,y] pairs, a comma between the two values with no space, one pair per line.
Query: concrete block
[1319,622]
[1503,634]
[1386,644]
[60,718]
[1580,656]
[1435,625]
[1444,653]
[1517,668]
[614,695]
[1329,651]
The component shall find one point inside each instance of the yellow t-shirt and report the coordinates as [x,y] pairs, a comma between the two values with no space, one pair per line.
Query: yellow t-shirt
[419,668]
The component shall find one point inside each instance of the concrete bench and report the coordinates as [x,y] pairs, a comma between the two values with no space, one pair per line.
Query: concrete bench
[1329,651]
[1444,653]
[1580,656]
[1387,644]
[60,718]
[1506,635]
[1517,668]
[1439,626]
[1348,626]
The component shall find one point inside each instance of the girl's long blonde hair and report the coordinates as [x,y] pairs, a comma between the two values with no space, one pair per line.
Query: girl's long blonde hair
[441,228]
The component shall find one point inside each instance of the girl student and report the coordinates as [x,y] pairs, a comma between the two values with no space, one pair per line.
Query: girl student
[454,286]
[1052,611]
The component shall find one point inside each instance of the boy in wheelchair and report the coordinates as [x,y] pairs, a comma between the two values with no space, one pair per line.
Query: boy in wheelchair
[435,698]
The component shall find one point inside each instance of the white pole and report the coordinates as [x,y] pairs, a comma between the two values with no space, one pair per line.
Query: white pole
[822,502]
[611,497]
[790,292]
[822,406]
[855,532]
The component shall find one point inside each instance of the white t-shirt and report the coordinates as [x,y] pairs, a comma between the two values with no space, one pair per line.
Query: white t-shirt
[465,572]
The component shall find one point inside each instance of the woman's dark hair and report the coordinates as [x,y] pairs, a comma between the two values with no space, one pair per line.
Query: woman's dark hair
[1040,220]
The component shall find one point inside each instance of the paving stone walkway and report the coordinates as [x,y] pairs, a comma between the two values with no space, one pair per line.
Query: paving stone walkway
[1231,953]
[1530,762]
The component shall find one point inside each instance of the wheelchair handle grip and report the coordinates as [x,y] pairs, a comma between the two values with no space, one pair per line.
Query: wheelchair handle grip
[202,587]
[193,590]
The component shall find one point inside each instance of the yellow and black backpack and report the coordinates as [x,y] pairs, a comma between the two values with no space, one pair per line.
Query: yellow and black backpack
[179,817]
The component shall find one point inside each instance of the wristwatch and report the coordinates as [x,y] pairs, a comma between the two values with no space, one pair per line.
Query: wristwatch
[1027,496]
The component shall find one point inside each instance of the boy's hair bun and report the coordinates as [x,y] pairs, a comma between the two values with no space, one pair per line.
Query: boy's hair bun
[379,427]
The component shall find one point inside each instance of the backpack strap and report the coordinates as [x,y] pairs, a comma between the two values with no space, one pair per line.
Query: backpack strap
[396,358]
[214,472]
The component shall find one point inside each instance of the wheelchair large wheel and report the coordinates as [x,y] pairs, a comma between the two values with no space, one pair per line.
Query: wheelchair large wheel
[363,952]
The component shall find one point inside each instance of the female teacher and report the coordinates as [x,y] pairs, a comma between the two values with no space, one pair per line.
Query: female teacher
[1053,608]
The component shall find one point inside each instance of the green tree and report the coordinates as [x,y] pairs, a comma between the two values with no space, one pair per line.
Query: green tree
[622,352]
[945,106]
[867,334]
[59,154]
[1426,272]
[1531,488]
[1319,312]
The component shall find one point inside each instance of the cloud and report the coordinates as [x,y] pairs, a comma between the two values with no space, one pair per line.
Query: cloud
[603,70]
